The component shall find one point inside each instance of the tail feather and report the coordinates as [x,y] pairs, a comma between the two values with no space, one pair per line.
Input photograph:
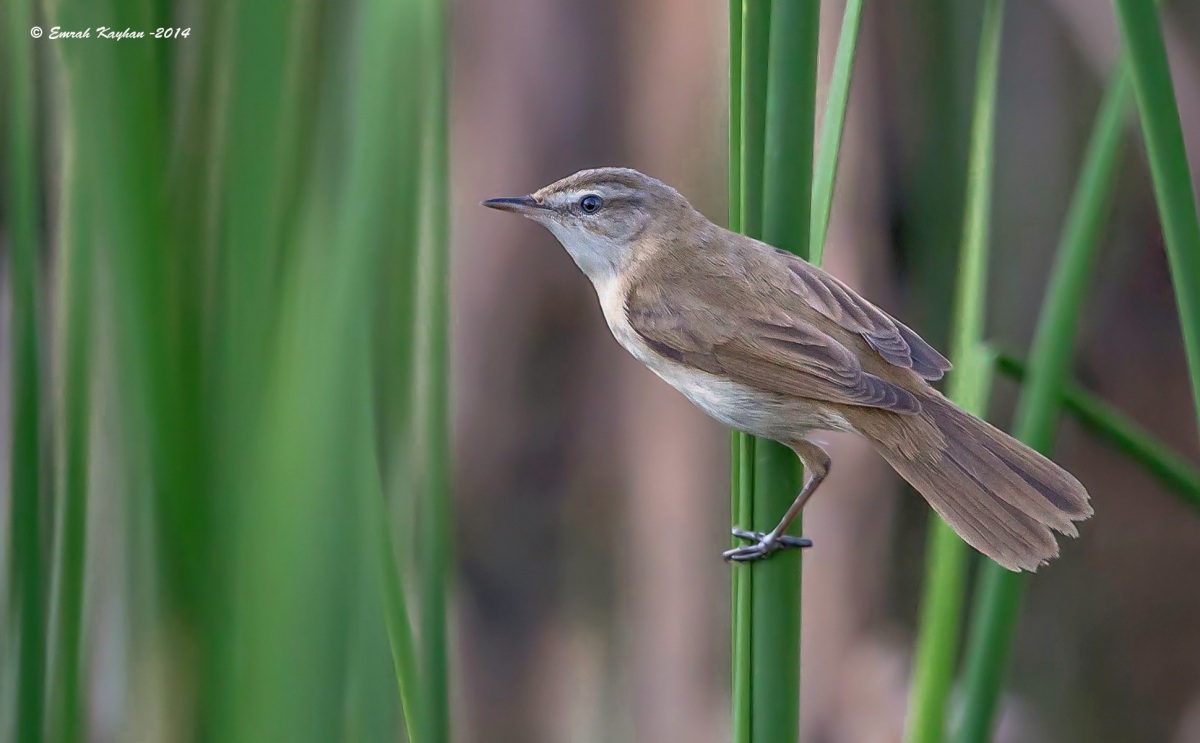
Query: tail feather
[1000,496]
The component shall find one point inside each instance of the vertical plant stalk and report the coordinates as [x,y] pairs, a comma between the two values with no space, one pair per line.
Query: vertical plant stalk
[832,125]
[75,295]
[735,117]
[376,151]
[787,182]
[24,212]
[756,35]
[433,355]
[754,26]
[397,356]
[998,602]
[399,628]
[740,454]
[741,627]
[1163,136]
[946,557]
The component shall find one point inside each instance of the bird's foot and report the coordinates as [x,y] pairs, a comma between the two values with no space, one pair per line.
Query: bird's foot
[764,545]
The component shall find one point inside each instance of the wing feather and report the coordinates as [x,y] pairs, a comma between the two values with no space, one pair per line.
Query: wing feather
[768,351]
[891,339]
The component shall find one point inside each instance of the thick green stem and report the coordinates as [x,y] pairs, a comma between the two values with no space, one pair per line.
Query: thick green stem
[773,60]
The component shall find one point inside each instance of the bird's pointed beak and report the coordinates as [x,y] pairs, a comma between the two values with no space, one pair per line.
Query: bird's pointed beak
[525,205]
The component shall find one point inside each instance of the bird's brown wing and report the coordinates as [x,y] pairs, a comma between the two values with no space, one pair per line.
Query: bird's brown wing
[763,348]
[892,340]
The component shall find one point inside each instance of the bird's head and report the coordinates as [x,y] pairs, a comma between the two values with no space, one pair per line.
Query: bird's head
[603,216]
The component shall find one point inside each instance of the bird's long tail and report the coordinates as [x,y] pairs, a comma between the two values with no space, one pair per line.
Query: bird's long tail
[1002,497]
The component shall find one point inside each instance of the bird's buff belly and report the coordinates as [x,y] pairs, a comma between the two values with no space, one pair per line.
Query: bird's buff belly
[737,405]
[747,409]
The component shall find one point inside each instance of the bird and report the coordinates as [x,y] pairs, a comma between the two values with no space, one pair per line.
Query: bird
[769,344]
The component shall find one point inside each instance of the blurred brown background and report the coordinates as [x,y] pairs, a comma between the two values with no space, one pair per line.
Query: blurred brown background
[592,499]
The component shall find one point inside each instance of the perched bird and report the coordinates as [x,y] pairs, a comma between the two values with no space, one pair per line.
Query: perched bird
[771,345]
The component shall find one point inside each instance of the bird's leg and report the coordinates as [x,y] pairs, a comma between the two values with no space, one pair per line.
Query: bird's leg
[816,467]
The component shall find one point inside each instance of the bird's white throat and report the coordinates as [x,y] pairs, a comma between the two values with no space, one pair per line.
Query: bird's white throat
[599,257]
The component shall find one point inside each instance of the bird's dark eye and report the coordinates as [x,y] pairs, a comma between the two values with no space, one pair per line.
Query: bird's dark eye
[591,203]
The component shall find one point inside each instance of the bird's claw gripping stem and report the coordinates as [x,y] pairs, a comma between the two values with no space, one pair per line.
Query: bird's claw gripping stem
[764,545]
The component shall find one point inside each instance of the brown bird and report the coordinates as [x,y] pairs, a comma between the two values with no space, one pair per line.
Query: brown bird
[771,345]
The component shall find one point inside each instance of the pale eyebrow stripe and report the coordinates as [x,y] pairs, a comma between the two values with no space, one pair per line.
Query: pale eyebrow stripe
[608,192]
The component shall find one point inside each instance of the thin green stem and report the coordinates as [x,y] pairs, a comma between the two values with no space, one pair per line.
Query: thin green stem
[832,126]
[433,354]
[971,288]
[999,598]
[24,214]
[1163,136]
[75,294]
[400,634]
[754,26]
[738,496]
[735,115]
[742,626]
[756,30]
[941,608]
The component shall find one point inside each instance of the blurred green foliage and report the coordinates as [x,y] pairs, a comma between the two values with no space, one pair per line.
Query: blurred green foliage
[251,245]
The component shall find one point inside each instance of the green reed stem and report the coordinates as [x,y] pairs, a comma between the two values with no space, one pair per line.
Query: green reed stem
[735,115]
[832,126]
[739,649]
[400,633]
[774,622]
[433,356]
[946,558]
[756,31]
[24,211]
[75,296]
[1163,136]
[752,25]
